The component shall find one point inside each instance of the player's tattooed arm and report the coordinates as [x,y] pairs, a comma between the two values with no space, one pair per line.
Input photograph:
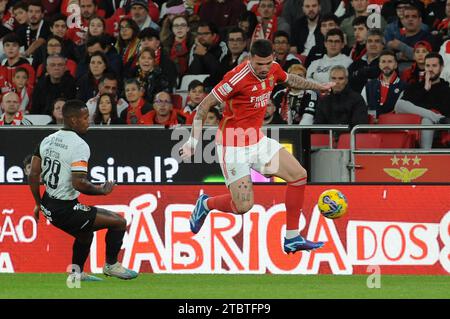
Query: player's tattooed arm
[81,183]
[200,116]
[300,83]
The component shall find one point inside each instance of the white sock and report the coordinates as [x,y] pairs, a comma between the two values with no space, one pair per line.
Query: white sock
[205,204]
[292,233]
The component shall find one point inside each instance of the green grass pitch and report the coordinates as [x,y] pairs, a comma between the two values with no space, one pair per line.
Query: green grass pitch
[188,286]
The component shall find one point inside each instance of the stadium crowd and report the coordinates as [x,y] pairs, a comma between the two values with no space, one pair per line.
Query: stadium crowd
[152,62]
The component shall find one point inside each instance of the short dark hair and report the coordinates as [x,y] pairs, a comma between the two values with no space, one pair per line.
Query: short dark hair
[21,5]
[72,108]
[22,69]
[108,76]
[328,17]
[194,83]
[390,53]
[262,48]
[335,31]
[435,55]
[132,81]
[57,17]
[237,30]
[96,39]
[148,33]
[36,3]
[281,33]
[11,38]
[212,27]
[361,20]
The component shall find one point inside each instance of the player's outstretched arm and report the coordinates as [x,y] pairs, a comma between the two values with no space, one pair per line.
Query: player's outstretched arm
[188,148]
[34,180]
[297,82]
[83,185]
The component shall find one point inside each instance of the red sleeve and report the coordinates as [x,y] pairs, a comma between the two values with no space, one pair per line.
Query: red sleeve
[279,73]
[226,88]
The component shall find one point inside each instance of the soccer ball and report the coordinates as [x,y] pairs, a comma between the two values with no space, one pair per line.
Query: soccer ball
[332,204]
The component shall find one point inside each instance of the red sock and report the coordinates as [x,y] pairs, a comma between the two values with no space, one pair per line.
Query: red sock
[295,194]
[224,203]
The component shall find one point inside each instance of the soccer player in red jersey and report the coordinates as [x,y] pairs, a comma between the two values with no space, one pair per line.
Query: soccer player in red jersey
[241,145]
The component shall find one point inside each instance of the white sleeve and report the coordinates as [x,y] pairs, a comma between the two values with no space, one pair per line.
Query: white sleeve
[364,94]
[80,158]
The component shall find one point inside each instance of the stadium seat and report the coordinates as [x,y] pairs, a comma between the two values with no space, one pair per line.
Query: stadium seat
[177,101]
[363,140]
[38,119]
[320,140]
[188,78]
[399,139]
[403,118]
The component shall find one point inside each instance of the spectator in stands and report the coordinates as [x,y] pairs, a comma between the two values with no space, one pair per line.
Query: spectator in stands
[20,14]
[11,47]
[77,33]
[206,53]
[429,98]
[177,39]
[53,46]
[128,42]
[268,21]
[416,72]
[106,111]
[213,117]
[223,13]
[360,35]
[281,48]
[150,39]
[95,44]
[58,27]
[139,12]
[248,22]
[149,75]
[137,106]
[306,30]
[409,36]
[33,35]
[272,116]
[236,43]
[367,67]
[23,90]
[10,106]
[334,43]
[108,84]
[342,106]
[360,8]
[296,106]
[326,23]
[293,9]
[382,93]
[57,115]
[163,112]
[87,85]
[196,93]
[96,27]
[58,83]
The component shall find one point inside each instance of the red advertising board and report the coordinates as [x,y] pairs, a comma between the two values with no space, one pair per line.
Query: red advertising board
[403,229]
[404,168]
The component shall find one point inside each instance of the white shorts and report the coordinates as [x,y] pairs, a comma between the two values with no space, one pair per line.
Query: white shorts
[237,161]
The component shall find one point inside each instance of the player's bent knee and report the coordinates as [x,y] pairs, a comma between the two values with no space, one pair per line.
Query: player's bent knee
[244,207]
[297,174]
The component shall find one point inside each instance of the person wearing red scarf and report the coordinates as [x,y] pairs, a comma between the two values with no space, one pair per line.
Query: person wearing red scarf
[268,21]
[416,72]
[137,107]
[360,31]
[10,105]
[164,114]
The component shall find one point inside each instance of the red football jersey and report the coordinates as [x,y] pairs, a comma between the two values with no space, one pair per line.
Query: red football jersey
[246,97]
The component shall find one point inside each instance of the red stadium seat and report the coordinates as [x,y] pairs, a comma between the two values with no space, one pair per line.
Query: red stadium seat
[320,140]
[177,101]
[363,140]
[403,118]
[399,139]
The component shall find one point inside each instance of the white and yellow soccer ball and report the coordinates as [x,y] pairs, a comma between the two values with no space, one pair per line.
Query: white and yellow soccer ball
[332,204]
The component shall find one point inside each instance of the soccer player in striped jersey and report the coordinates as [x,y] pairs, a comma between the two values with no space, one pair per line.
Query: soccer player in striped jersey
[241,145]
